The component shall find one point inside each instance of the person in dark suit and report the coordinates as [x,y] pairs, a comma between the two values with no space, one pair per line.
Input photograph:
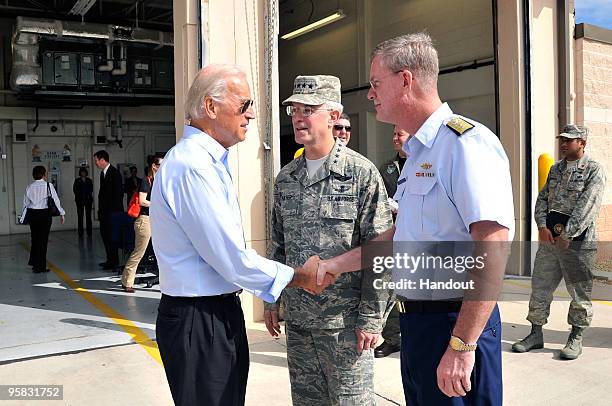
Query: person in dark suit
[132,183]
[110,201]
[83,197]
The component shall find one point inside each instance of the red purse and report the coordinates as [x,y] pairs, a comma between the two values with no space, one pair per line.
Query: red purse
[134,205]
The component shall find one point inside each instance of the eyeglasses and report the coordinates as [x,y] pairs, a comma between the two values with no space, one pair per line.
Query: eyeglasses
[339,127]
[374,83]
[246,105]
[304,111]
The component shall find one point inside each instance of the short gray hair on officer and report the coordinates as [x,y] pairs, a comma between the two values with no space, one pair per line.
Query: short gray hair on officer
[334,106]
[414,52]
[211,81]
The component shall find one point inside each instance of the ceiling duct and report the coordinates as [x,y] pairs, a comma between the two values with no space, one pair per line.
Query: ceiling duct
[27,26]
[67,60]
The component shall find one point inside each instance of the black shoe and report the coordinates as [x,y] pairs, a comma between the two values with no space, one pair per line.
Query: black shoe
[41,270]
[385,349]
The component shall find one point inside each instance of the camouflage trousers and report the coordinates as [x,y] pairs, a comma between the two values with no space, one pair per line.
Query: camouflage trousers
[575,267]
[326,370]
[391,331]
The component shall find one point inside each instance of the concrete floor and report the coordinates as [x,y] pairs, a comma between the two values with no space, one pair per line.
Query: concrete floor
[75,327]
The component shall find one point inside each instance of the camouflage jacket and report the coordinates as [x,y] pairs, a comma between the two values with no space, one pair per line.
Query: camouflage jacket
[343,205]
[577,192]
[390,172]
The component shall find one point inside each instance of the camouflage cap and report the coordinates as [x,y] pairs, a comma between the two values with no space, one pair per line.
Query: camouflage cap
[315,90]
[574,131]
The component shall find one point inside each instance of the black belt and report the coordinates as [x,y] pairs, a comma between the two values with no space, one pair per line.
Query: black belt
[427,306]
[193,299]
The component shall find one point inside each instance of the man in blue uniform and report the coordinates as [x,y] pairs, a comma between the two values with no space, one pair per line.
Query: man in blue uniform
[455,186]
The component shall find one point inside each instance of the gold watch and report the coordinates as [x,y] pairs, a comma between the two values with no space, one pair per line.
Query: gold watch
[457,344]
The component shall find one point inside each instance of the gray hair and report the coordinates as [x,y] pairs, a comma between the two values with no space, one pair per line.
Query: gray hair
[414,52]
[211,81]
[333,106]
[345,117]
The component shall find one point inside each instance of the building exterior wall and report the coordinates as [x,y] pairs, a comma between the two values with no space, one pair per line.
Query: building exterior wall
[593,65]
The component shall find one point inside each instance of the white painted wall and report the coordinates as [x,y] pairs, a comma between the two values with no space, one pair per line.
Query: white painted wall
[146,131]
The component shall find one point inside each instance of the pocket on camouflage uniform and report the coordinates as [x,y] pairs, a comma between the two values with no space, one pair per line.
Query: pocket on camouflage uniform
[338,215]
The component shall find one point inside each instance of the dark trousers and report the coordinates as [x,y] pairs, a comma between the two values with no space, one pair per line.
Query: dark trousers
[391,330]
[40,225]
[106,230]
[425,338]
[204,348]
[84,208]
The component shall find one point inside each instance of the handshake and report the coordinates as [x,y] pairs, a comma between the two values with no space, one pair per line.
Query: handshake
[315,275]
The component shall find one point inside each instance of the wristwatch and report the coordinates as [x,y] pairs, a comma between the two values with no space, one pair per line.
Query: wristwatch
[457,344]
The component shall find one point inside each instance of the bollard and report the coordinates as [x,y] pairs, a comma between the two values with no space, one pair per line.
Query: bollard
[545,161]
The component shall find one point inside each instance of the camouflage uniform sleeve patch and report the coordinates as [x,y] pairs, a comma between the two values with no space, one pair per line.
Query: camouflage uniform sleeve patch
[459,126]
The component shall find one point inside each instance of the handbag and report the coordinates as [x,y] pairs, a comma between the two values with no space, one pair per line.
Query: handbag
[53,210]
[134,205]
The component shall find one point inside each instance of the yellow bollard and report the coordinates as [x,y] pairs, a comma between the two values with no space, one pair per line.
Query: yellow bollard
[545,161]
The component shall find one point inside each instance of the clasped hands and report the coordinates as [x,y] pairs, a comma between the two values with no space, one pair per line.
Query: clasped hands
[547,237]
[314,276]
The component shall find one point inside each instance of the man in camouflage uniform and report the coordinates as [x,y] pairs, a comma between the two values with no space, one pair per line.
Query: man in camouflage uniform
[390,172]
[571,198]
[327,201]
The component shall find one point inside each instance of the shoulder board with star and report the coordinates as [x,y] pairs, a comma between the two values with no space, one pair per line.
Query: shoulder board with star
[459,126]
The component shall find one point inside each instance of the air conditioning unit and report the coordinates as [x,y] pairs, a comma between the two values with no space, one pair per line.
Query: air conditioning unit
[20,131]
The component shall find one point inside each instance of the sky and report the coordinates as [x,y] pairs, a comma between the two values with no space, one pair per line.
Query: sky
[595,12]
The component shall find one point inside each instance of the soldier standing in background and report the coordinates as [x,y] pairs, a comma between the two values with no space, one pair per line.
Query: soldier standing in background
[390,172]
[566,212]
[327,201]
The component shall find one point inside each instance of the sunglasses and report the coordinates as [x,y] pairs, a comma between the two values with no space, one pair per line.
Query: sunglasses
[246,105]
[339,127]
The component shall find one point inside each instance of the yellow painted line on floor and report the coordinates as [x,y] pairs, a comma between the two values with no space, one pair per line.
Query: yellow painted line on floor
[557,292]
[139,336]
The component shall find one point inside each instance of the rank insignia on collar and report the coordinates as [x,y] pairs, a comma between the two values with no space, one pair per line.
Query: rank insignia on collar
[459,125]
[426,166]
[390,169]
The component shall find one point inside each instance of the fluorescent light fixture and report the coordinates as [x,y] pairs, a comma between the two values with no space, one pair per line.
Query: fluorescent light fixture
[338,15]
[81,7]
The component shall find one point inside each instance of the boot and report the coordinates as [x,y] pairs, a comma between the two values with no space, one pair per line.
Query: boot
[573,348]
[533,341]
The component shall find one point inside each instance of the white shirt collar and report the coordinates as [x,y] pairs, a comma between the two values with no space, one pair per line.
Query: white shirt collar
[429,130]
[106,169]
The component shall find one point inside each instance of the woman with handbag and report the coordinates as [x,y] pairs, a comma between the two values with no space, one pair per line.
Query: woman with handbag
[41,204]
[142,228]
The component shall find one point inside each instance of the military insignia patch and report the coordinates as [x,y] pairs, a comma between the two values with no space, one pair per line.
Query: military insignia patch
[426,166]
[459,125]
[390,169]
[558,228]
[305,86]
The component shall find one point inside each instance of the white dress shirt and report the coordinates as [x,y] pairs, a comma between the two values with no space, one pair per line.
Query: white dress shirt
[197,229]
[36,193]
